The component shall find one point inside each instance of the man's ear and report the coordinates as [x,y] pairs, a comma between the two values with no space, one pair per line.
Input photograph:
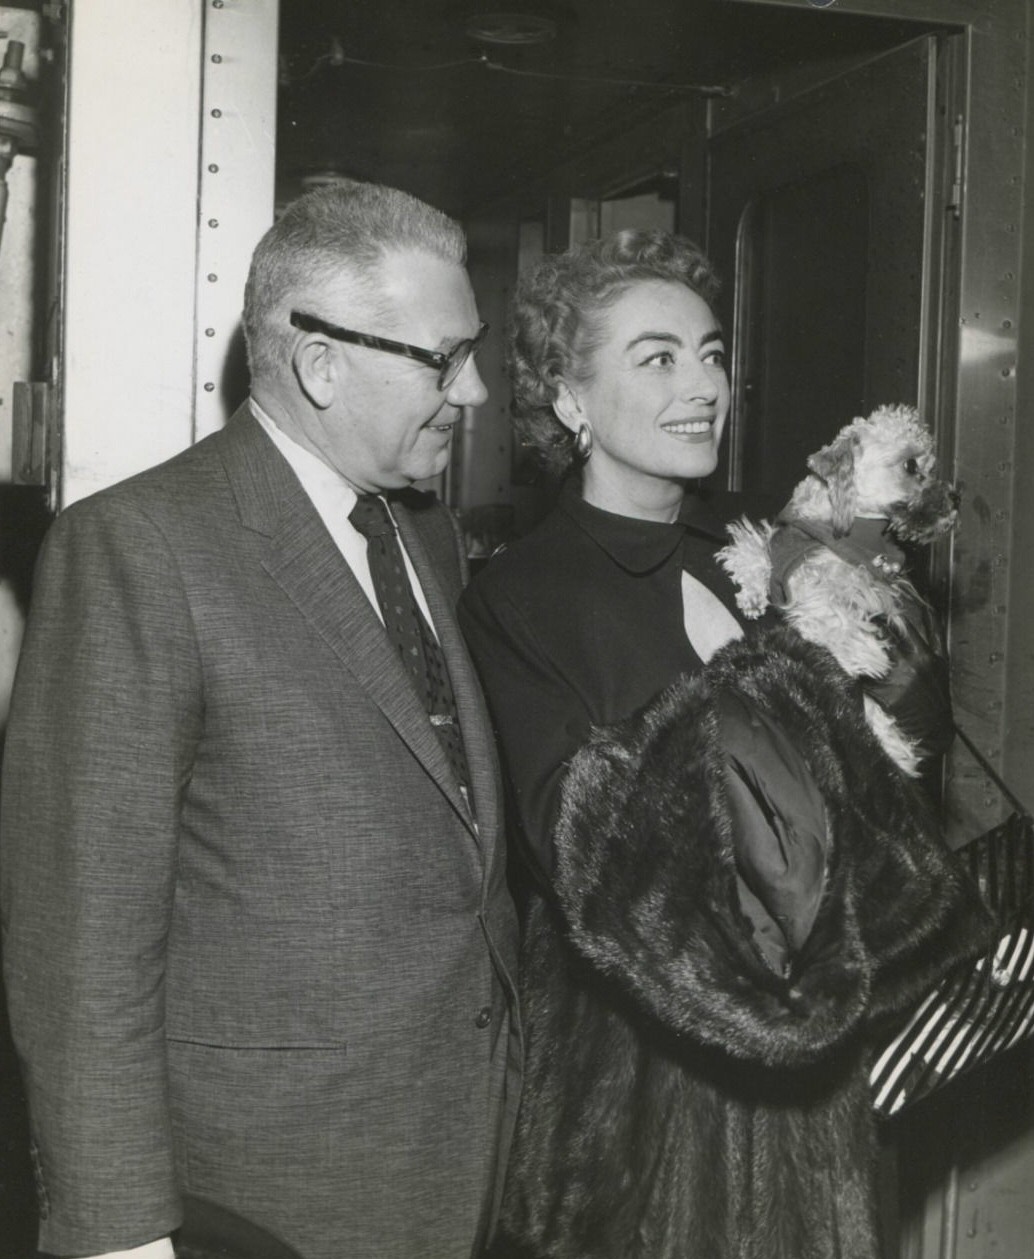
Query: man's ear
[567,407]
[316,368]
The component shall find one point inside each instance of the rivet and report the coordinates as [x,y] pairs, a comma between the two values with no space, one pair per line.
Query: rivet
[209,386]
[1006,323]
[212,166]
[213,222]
[212,277]
[217,4]
[209,332]
[216,58]
[217,113]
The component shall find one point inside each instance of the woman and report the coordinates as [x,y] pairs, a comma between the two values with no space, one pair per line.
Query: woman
[732,882]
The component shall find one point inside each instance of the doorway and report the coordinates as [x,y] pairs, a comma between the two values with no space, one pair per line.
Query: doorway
[817,221]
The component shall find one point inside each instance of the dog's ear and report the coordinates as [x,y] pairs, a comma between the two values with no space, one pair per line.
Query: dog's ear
[834,465]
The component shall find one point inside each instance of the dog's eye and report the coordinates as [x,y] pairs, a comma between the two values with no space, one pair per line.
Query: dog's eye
[912,467]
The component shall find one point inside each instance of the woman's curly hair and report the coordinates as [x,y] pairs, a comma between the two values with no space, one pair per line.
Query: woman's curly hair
[556,321]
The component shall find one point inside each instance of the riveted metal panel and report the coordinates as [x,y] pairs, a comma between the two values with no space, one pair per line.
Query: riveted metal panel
[130,243]
[991,667]
[140,198]
[985,442]
[236,183]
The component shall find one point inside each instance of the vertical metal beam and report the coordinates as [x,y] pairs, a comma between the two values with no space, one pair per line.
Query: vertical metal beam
[131,237]
[18,235]
[1018,725]
[986,428]
[145,328]
[237,176]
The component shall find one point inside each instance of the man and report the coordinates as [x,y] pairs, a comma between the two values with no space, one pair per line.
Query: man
[257,939]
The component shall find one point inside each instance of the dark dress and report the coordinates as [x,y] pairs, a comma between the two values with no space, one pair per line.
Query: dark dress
[689,1093]
[579,624]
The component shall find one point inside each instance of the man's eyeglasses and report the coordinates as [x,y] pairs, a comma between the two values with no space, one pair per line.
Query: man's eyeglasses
[448,365]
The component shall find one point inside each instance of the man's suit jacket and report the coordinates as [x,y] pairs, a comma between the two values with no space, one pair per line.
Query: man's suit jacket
[255,948]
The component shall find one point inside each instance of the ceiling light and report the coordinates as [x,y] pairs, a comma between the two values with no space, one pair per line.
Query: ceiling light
[510,28]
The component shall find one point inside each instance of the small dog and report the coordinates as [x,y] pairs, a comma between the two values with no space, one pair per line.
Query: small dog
[830,562]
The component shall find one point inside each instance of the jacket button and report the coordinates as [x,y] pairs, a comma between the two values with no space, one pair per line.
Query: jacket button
[484,1016]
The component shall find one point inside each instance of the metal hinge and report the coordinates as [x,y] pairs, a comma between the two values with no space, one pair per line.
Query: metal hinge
[958,139]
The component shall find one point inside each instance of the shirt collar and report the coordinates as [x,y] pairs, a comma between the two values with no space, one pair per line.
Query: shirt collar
[319,479]
[638,546]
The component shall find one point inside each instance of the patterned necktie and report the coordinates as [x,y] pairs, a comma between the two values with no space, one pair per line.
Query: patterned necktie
[408,631]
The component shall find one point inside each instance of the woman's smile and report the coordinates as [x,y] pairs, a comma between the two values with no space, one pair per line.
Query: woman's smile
[695,430]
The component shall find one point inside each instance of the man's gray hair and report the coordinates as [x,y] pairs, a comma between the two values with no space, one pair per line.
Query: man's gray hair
[334,236]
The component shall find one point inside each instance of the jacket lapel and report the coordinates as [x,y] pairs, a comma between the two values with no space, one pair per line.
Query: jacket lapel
[303,560]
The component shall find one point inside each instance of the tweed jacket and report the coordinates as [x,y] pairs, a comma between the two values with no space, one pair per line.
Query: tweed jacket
[255,948]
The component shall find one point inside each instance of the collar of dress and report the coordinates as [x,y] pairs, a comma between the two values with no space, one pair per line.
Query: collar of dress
[639,546]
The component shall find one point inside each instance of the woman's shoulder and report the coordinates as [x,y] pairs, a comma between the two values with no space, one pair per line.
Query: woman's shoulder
[534,567]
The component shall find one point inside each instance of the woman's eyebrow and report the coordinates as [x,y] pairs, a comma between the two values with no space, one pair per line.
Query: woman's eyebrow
[668,337]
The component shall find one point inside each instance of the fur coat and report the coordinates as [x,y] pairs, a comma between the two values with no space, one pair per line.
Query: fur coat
[685,1098]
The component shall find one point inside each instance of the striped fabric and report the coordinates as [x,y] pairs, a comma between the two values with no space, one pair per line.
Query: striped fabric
[982,1008]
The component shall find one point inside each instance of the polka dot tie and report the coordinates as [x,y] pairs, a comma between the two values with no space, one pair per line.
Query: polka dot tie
[407,629]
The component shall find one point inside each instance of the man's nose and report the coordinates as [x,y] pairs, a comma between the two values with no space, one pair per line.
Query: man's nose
[468,389]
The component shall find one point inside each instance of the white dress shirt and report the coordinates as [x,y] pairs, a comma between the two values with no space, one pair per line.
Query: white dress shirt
[334,499]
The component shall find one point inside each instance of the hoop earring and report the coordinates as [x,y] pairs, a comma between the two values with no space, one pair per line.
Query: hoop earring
[583,443]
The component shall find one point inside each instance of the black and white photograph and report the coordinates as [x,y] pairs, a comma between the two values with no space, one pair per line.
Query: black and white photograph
[516,680]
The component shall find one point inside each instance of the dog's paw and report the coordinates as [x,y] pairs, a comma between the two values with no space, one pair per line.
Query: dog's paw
[748,561]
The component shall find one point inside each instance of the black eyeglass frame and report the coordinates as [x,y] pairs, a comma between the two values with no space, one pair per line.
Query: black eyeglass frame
[448,364]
